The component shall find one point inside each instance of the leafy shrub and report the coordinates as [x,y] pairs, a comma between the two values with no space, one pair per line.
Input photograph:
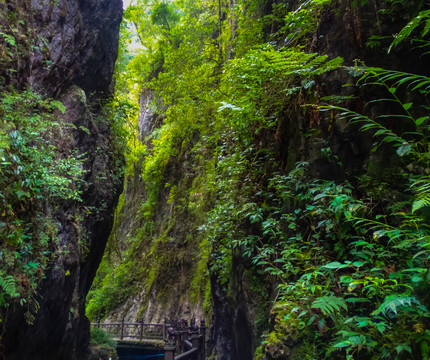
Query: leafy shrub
[101,337]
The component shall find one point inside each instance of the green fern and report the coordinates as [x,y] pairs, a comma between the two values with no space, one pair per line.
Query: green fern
[422,188]
[32,309]
[329,305]
[394,79]
[368,124]
[393,303]
[247,209]
[9,286]
[422,17]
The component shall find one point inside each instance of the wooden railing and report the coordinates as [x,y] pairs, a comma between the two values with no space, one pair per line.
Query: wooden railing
[187,341]
[134,331]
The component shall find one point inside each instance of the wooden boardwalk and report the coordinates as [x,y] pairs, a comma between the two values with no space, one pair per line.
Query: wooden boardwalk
[174,337]
[134,331]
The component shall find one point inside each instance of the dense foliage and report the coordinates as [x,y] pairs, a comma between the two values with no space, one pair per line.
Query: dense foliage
[246,117]
[32,175]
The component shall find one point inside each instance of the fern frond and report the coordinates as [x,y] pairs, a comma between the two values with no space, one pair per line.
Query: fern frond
[9,286]
[393,79]
[422,188]
[368,124]
[32,309]
[394,234]
[329,305]
[248,207]
[393,303]
[423,16]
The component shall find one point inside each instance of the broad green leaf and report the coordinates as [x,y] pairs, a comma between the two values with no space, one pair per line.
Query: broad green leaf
[335,265]
[407,106]
[420,120]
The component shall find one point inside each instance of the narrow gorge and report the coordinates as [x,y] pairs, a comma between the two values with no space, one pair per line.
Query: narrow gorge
[260,165]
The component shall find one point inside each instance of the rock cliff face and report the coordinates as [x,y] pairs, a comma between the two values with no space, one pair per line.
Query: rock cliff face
[81,44]
[66,49]
[165,261]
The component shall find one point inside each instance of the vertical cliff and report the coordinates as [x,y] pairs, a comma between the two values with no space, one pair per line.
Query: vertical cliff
[64,50]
